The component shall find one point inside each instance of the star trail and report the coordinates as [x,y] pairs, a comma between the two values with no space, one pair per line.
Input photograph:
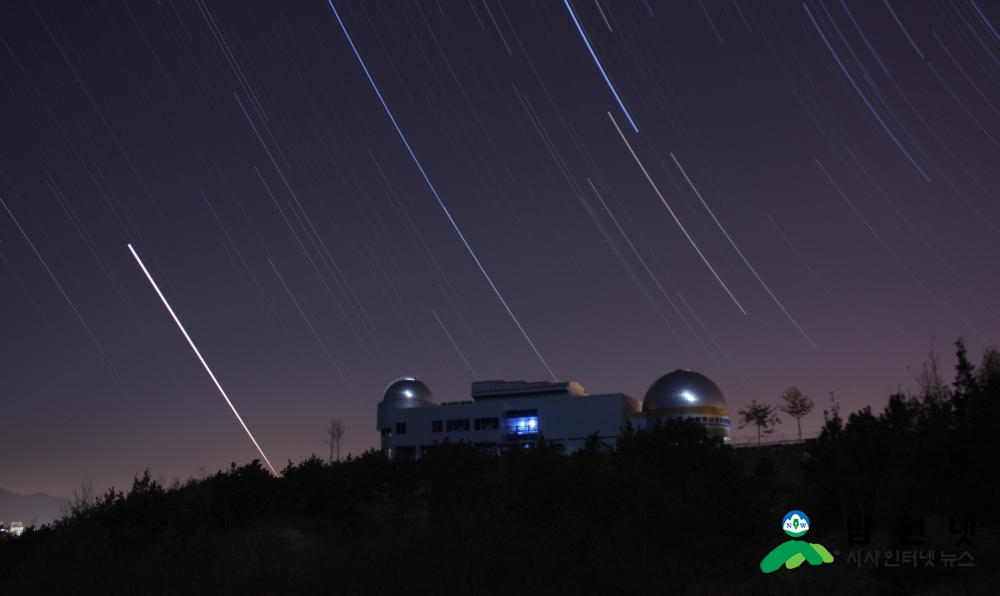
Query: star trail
[336,194]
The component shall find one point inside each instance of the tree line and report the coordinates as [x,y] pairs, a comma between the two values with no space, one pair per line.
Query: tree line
[932,452]
[764,416]
[662,511]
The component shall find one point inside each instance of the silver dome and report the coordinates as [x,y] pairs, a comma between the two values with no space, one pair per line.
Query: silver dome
[684,391]
[407,392]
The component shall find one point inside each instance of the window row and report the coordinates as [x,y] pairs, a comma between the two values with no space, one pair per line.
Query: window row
[464,424]
[410,451]
[712,420]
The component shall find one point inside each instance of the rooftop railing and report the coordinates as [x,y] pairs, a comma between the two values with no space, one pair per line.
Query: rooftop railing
[772,439]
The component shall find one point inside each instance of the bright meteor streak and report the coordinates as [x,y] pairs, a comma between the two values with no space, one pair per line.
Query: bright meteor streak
[198,354]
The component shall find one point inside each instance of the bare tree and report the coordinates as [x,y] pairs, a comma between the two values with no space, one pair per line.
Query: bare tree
[762,416]
[334,437]
[83,498]
[796,405]
[932,386]
[833,414]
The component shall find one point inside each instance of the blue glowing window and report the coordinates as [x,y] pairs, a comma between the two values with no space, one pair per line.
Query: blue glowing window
[521,423]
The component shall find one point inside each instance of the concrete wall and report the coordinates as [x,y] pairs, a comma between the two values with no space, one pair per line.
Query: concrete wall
[562,418]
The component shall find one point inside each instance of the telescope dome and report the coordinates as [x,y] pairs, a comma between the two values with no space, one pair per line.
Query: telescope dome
[684,391]
[407,392]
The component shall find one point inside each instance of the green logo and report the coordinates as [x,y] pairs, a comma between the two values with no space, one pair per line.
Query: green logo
[791,554]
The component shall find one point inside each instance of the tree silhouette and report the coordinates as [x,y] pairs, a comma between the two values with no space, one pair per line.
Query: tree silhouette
[638,501]
[796,405]
[932,385]
[989,370]
[334,437]
[762,416]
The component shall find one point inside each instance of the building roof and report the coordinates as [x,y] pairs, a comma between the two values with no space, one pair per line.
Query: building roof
[506,389]
[407,391]
[684,391]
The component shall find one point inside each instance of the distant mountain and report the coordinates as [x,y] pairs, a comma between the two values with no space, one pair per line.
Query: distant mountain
[40,507]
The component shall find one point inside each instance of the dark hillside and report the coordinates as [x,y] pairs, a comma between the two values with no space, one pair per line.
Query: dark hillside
[664,511]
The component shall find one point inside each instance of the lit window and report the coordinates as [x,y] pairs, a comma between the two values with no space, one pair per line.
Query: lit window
[521,423]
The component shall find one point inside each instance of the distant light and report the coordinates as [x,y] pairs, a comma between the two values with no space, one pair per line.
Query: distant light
[531,423]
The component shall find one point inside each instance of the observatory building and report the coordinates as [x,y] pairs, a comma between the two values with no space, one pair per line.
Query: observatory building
[502,413]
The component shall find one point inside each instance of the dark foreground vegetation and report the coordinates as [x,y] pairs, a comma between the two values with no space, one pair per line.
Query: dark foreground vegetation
[662,512]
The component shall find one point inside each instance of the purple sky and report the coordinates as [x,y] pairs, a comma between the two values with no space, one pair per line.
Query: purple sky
[844,155]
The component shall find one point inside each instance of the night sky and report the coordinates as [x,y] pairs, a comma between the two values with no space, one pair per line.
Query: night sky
[828,168]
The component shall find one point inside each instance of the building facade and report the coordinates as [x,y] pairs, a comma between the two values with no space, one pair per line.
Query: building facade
[503,413]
